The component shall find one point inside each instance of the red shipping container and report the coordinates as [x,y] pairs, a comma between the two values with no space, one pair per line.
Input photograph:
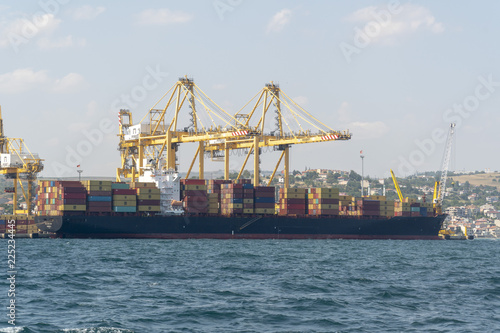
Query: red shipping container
[193,181]
[99,204]
[294,206]
[264,194]
[74,195]
[248,206]
[264,205]
[148,202]
[100,193]
[99,209]
[74,190]
[72,201]
[264,189]
[194,193]
[124,192]
[68,183]
[292,201]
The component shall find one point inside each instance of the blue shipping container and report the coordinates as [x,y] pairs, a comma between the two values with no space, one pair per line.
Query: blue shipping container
[264,200]
[248,186]
[99,198]
[124,209]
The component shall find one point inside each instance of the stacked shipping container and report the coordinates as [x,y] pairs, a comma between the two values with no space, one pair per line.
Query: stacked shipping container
[231,199]
[323,201]
[60,197]
[368,207]
[292,201]
[148,198]
[264,200]
[22,224]
[99,196]
[194,196]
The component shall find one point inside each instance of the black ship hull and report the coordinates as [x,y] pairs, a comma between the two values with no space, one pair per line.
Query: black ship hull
[241,227]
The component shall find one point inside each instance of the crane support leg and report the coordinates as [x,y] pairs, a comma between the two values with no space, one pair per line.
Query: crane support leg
[276,168]
[287,167]
[192,163]
[245,162]
[256,166]
[226,163]
[201,156]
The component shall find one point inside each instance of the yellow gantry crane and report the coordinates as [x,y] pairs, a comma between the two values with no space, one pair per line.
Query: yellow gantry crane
[152,144]
[19,164]
[293,125]
[154,141]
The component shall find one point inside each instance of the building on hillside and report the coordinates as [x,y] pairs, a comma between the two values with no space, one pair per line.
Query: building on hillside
[486,207]
[492,199]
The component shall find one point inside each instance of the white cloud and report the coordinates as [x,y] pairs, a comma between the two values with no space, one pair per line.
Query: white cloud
[87,12]
[22,80]
[22,31]
[386,26]
[368,130]
[279,21]
[163,16]
[70,83]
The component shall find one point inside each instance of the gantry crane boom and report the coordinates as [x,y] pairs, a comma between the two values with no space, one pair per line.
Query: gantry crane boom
[153,142]
[293,126]
[18,163]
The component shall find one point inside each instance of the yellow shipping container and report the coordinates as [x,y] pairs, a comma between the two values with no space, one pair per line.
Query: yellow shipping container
[213,211]
[97,183]
[148,190]
[120,197]
[123,203]
[148,197]
[264,211]
[293,196]
[98,188]
[289,190]
[323,190]
[345,197]
[378,197]
[142,185]
[234,205]
[248,211]
[247,201]
[73,207]
[143,208]
[21,227]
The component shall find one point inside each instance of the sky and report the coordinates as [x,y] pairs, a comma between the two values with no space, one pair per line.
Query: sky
[393,73]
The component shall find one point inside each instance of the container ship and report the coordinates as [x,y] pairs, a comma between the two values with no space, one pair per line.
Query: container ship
[224,209]
[155,203]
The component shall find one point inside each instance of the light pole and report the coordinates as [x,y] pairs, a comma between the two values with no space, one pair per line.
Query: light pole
[79,173]
[362,172]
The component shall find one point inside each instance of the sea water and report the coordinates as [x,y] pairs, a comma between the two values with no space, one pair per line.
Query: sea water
[84,285]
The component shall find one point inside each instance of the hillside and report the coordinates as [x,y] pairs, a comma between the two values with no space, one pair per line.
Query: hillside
[487,179]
